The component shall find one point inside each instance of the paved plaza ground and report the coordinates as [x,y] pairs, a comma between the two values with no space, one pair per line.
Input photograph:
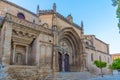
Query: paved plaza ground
[107,77]
[70,76]
[76,76]
[81,76]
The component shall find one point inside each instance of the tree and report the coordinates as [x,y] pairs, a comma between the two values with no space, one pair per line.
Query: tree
[116,64]
[117,3]
[111,68]
[100,64]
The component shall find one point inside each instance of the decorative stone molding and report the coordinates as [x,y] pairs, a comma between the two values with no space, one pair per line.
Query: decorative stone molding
[23,34]
[27,24]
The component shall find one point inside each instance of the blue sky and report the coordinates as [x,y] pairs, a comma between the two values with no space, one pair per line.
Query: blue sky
[98,16]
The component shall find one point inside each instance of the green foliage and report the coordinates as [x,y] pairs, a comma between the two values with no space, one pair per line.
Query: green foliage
[100,64]
[117,3]
[116,64]
[111,67]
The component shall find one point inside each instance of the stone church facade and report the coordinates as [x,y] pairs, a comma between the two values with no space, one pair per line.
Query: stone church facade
[47,40]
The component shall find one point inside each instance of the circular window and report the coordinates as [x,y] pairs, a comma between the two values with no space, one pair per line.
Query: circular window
[21,16]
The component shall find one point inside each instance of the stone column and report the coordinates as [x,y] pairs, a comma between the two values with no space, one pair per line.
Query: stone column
[56,61]
[53,65]
[55,48]
[26,55]
[6,43]
[13,58]
[84,61]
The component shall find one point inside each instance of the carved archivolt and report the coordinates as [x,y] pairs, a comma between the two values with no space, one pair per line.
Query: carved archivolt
[70,43]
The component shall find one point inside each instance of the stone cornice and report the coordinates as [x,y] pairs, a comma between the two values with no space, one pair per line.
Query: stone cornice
[101,41]
[97,39]
[46,12]
[98,51]
[51,43]
[103,52]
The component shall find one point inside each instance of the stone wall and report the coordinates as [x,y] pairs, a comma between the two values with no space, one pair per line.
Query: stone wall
[60,23]
[100,45]
[96,43]
[26,73]
[8,7]
[96,56]
[46,19]
[44,50]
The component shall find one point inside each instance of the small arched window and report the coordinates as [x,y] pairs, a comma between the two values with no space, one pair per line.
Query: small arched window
[20,15]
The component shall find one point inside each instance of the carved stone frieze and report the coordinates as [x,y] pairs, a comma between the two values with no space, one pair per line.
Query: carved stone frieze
[21,40]
[23,34]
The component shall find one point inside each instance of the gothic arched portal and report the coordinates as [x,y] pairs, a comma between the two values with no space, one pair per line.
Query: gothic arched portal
[70,48]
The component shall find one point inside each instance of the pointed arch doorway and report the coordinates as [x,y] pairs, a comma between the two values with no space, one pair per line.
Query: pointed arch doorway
[66,63]
[63,62]
[70,47]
